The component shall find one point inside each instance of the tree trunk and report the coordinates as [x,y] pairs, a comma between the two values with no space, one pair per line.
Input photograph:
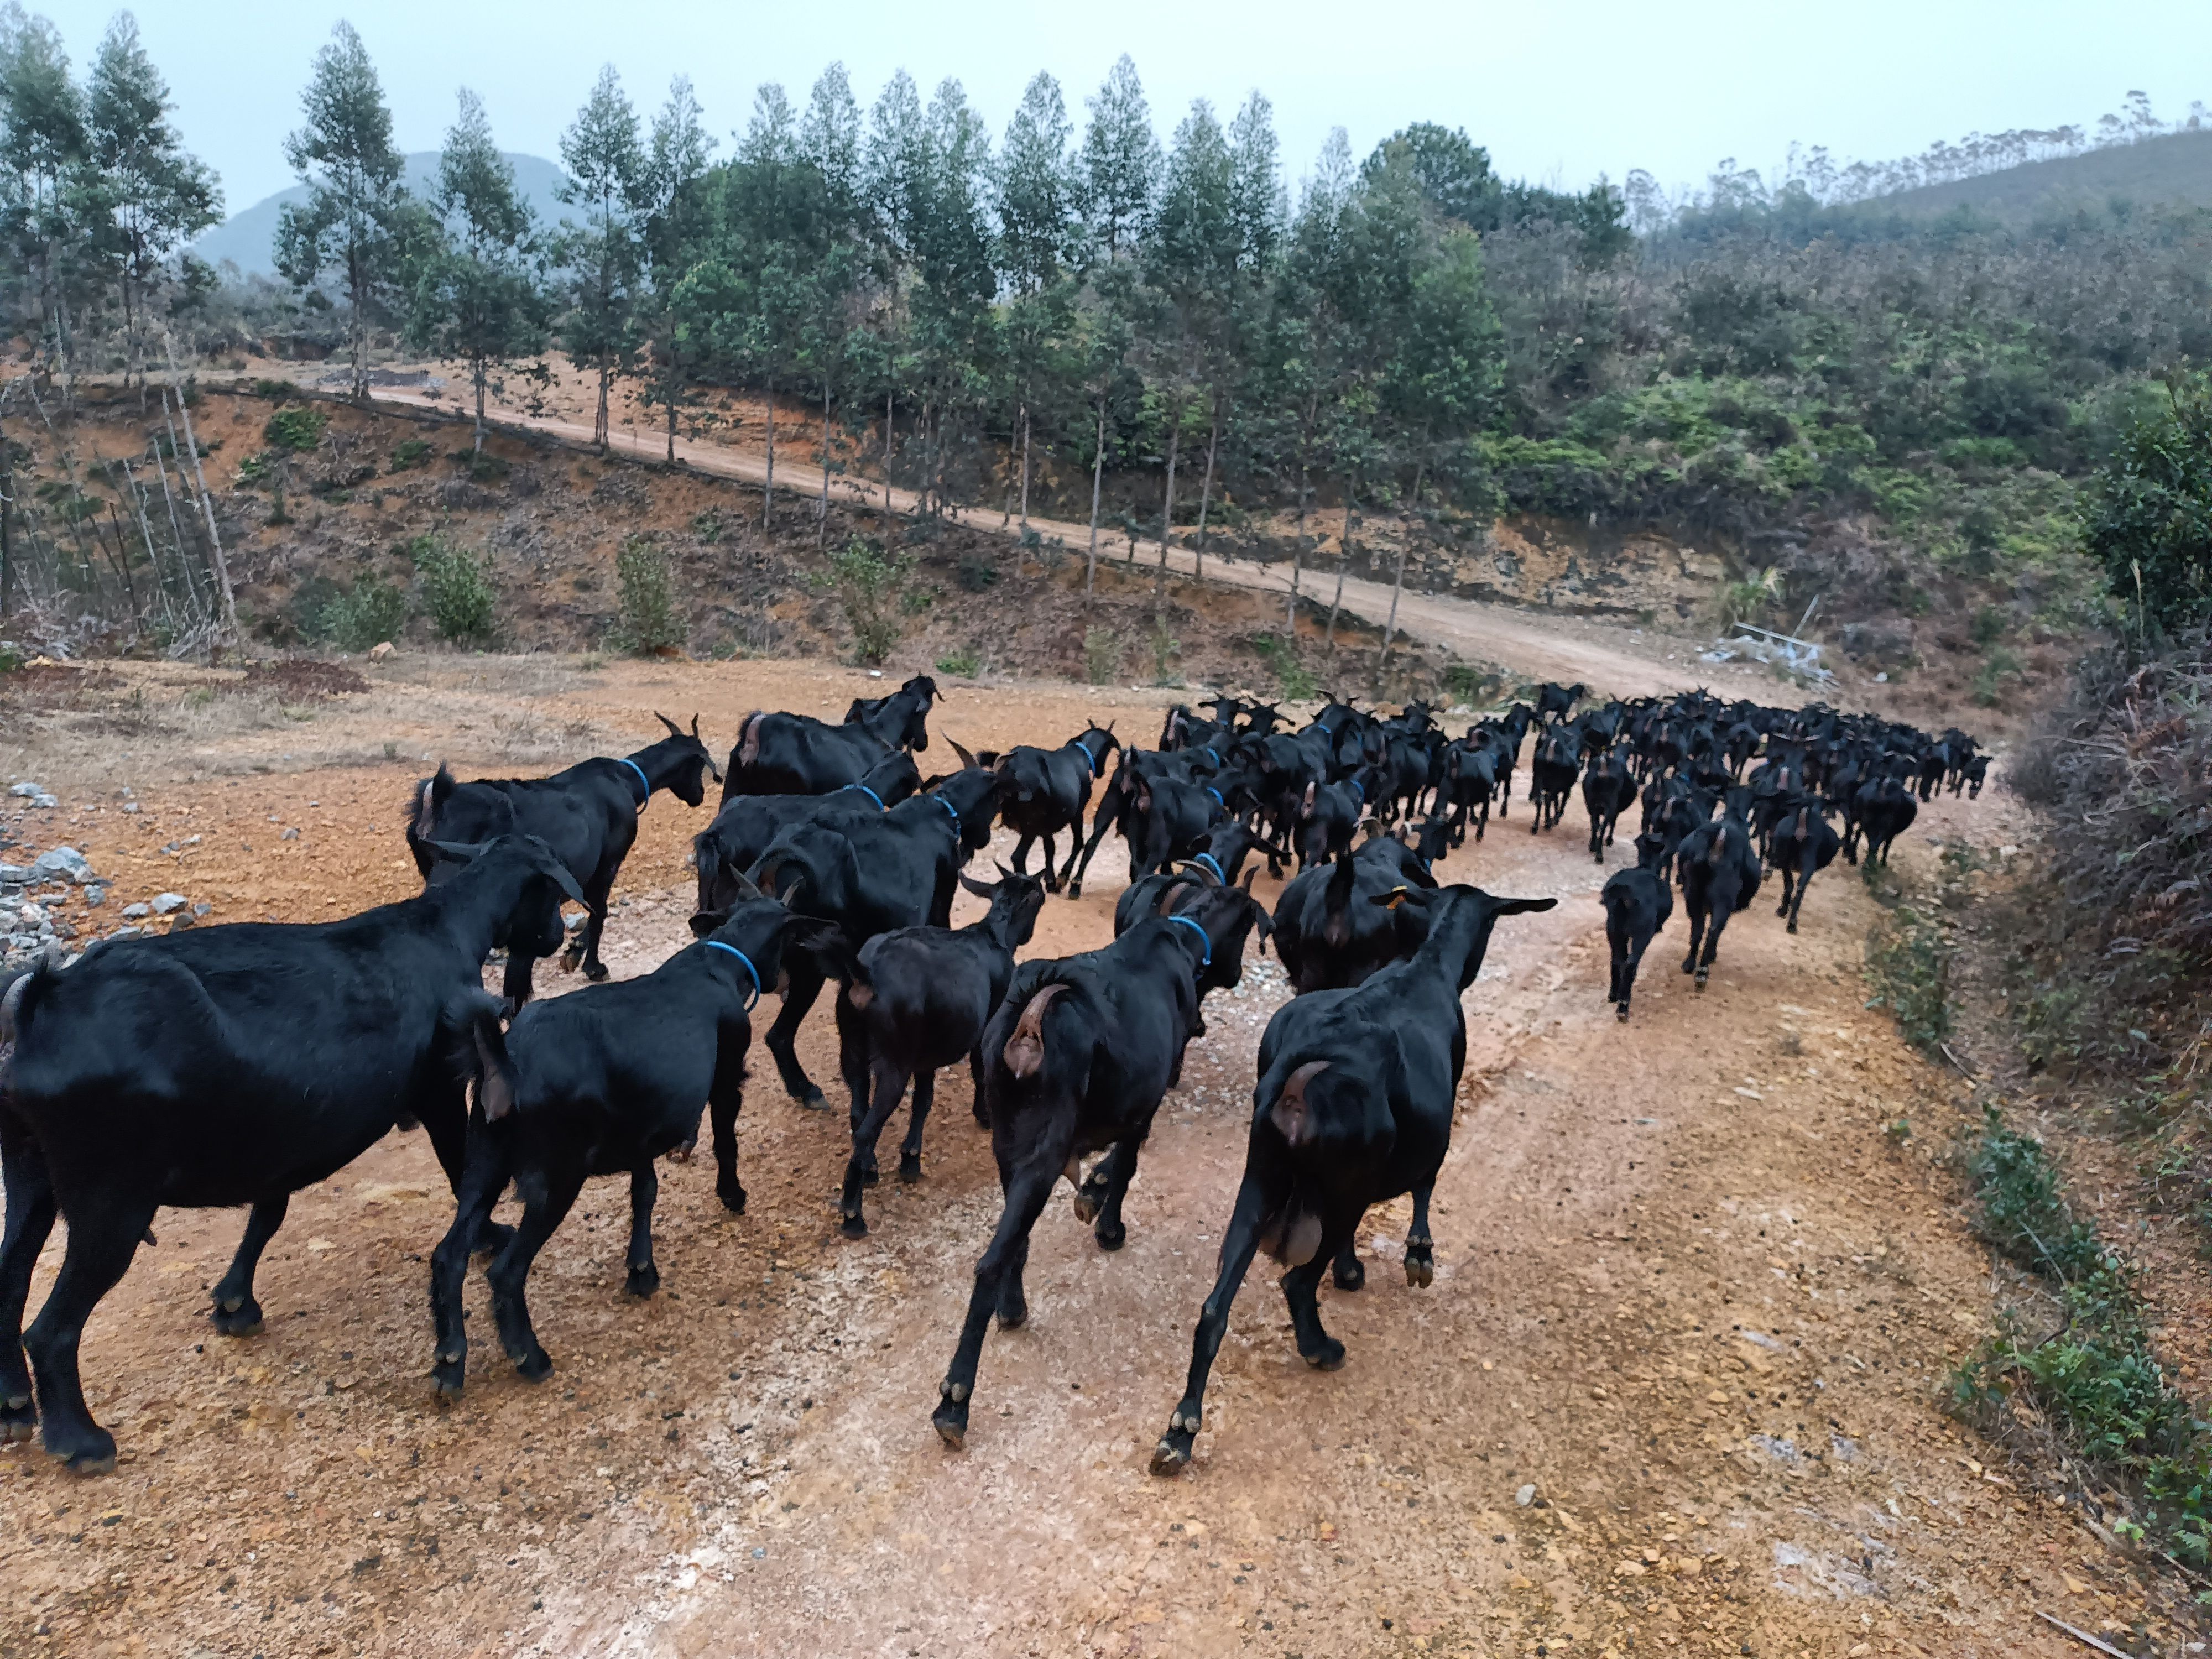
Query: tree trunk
[356,327]
[822,518]
[768,492]
[146,532]
[1206,492]
[214,536]
[672,421]
[1343,558]
[887,451]
[477,376]
[1167,520]
[1097,475]
[7,541]
[1026,469]
[1391,631]
[599,420]
[1298,554]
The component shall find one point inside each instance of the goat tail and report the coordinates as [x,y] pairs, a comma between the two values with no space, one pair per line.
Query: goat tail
[11,1017]
[749,740]
[481,1055]
[424,801]
[859,990]
[1025,1053]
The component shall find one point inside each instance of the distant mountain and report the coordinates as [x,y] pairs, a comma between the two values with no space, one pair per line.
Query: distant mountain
[248,238]
[2173,167]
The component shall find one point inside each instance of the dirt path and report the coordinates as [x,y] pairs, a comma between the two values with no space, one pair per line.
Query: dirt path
[1688,1291]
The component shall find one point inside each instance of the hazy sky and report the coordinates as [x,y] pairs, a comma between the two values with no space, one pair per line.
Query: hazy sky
[1558,92]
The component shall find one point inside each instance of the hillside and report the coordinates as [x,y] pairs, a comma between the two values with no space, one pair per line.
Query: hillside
[2175,167]
[248,237]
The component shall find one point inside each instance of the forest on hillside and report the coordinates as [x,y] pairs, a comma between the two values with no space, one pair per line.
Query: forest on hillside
[1841,395]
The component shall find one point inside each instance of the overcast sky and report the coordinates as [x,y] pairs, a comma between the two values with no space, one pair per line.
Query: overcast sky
[1559,93]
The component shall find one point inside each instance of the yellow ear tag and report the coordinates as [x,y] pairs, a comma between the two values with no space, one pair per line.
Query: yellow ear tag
[1397,898]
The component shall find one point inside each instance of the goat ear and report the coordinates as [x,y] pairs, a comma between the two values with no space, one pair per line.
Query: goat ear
[1521,906]
[1289,1112]
[553,870]
[979,889]
[455,852]
[707,922]
[1249,875]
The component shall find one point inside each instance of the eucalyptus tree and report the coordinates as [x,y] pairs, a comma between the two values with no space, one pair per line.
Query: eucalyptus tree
[1120,161]
[602,259]
[42,149]
[830,145]
[677,317]
[1035,201]
[156,195]
[357,224]
[479,293]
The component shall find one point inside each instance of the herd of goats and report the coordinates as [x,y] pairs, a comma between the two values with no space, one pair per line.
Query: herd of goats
[234,1064]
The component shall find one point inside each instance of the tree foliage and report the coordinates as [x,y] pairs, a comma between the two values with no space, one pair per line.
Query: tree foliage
[2149,513]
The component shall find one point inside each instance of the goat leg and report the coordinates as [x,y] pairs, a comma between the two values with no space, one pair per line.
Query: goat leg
[1420,1258]
[30,1224]
[860,1167]
[236,1312]
[1238,1247]
[924,1097]
[509,1272]
[1027,1187]
[644,1187]
[1300,1284]
[478,1188]
[103,1237]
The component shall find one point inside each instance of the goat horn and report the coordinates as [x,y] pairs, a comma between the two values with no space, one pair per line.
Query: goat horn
[674,730]
[966,759]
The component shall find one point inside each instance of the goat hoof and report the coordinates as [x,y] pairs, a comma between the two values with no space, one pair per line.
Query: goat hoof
[1111,1237]
[1793,924]
[236,1316]
[1348,1278]
[909,1167]
[1172,1456]
[812,1099]
[446,1381]
[1701,979]
[1086,1207]
[18,1420]
[94,1462]
[1621,1014]
[854,1225]
[1328,1357]
[1691,966]
[1012,1316]
[950,1416]
[596,972]
[571,960]
[642,1281]
[534,1367]
[733,1197]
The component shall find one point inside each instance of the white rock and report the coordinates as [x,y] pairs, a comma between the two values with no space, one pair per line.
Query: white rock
[133,912]
[61,863]
[166,903]
[1526,1496]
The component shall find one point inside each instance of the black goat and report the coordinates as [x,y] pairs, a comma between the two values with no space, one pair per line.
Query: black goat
[778,754]
[1469,780]
[1803,841]
[1165,895]
[1044,790]
[1607,790]
[1886,811]
[871,875]
[225,1065]
[602,1082]
[1328,934]
[1077,1060]
[1328,813]
[588,814]
[1551,772]
[1637,903]
[918,1000]
[1555,701]
[1720,874]
[745,827]
[1353,1107]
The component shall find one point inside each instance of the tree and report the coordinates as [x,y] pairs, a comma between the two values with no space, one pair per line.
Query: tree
[829,144]
[1452,171]
[605,159]
[43,144]
[1120,159]
[357,222]
[678,319]
[2147,516]
[1036,201]
[158,195]
[478,294]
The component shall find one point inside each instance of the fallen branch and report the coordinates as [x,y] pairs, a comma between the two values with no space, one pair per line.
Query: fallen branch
[2096,1642]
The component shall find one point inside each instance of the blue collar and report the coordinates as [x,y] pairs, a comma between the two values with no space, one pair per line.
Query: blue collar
[949,811]
[643,782]
[1357,790]
[1216,793]
[1205,940]
[751,972]
[871,795]
[1326,731]
[1213,864]
[1209,750]
[1090,765]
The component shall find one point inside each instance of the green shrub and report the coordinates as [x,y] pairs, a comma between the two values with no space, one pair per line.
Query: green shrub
[275,390]
[2021,1212]
[296,430]
[1102,655]
[372,613]
[1996,667]
[868,582]
[707,527]
[1296,680]
[457,589]
[646,624]
[10,659]
[976,574]
[965,663]
[1909,960]
[412,453]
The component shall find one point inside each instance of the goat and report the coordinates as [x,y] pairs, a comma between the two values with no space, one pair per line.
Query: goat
[743,830]
[918,1000]
[604,1082]
[1607,791]
[1720,874]
[1552,772]
[1803,843]
[778,754]
[1328,813]
[588,814]
[1886,811]
[1329,937]
[1555,701]
[1165,895]
[231,1065]
[870,876]
[1076,1061]
[1353,1107]
[1637,903]
[1045,790]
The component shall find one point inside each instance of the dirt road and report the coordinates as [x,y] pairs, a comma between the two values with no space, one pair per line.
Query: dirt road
[1676,1387]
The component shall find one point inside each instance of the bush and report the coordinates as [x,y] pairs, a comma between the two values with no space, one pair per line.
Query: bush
[1102,655]
[2022,1213]
[372,613]
[296,430]
[457,588]
[1909,960]
[868,582]
[646,624]
[2147,516]
[707,527]
[976,574]
[965,663]
[1295,679]
[409,455]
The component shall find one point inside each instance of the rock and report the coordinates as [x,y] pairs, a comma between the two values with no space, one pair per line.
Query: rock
[28,791]
[95,896]
[13,875]
[290,834]
[380,650]
[132,806]
[166,903]
[1526,1496]
[126,932]
[133,912]
[61,863]
[202,907]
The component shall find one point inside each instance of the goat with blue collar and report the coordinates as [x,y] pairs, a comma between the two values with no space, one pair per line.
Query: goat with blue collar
[1077,1060]
[747,825]
[602,1082]
[587,814]
[1045,790]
